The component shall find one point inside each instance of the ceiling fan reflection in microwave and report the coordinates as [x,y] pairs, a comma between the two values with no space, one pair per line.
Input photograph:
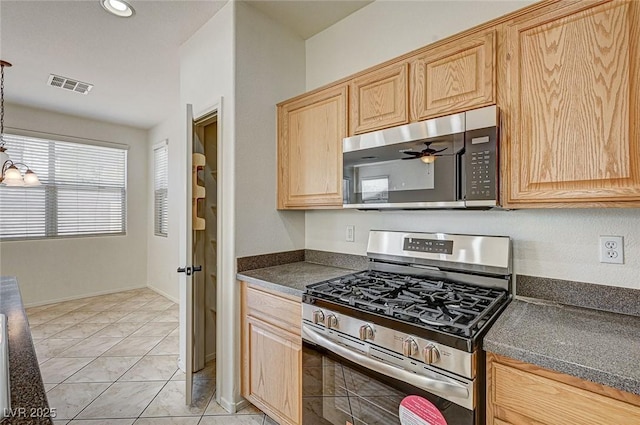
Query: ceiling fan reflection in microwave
[428,155]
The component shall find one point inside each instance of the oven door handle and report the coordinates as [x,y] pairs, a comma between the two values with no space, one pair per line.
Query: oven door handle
[443,388]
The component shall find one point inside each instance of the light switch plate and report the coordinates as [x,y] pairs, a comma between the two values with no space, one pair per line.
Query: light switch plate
[351,233]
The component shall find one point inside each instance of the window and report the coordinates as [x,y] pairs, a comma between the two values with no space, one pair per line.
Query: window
[375,189]
[83,190]
[160,189]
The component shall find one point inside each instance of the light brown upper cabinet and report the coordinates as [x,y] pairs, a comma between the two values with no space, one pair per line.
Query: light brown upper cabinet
[380,99]
[310,133]
[453,77]
[573,113]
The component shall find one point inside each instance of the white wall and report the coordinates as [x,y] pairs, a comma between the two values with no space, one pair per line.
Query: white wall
[57,269]
[386,29]
[206,76]
[207,81]
[163,252]
[251,63]
[269,69]
[560,244]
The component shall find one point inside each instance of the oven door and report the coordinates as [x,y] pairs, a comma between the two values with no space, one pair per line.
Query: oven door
[337,390]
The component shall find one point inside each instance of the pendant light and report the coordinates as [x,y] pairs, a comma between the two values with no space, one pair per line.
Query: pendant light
[10,175]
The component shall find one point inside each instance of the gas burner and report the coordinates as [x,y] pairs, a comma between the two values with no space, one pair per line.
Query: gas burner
[452,307]
[421,310]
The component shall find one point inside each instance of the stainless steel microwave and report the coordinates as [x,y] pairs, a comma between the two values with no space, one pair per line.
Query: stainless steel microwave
[445,162]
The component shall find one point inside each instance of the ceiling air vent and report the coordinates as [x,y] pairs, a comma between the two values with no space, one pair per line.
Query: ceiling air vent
[69,84]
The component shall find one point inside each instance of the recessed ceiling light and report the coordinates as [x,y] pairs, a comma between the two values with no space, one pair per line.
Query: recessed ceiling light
[118,7]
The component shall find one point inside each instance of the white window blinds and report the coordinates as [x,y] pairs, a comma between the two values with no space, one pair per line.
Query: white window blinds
[83,190]
[160,189]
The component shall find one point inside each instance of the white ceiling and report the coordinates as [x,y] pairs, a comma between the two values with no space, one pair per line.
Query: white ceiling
[133,63]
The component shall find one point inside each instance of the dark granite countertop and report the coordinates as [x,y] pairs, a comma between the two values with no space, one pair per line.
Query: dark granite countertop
[593,345]
[28,397]
[293,277]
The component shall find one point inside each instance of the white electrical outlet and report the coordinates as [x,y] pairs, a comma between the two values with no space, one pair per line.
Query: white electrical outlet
[351,233]
[612,249]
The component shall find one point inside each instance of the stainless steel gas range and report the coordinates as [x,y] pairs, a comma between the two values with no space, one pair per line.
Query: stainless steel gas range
[412,324]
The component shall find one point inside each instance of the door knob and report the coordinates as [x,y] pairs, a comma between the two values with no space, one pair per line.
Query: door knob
[186,270]
[189,270]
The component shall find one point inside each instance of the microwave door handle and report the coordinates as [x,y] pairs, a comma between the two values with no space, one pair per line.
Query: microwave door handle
[446,389]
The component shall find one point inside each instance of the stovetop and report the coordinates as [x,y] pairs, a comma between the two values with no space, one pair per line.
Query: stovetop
[443,288]
[450,307]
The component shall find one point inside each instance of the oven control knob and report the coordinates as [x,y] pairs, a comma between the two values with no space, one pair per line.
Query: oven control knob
[366,332]
[318,317]
[332,321]
[409,347]
[431,354]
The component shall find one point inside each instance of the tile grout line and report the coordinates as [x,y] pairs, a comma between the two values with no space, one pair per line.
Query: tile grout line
[101,355]
[146,354]
[151,401]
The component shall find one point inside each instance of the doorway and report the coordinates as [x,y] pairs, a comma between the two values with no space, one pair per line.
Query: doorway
[205,231]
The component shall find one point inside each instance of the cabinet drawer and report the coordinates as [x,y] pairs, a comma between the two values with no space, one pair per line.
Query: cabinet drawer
[555,403]
[273,309]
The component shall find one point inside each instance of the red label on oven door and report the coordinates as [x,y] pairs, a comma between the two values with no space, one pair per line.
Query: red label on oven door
[416,410]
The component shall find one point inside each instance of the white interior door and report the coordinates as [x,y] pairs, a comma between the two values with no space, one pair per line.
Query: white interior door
[186,270]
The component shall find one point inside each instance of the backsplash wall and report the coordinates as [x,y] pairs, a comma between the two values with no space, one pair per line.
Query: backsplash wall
[560,244]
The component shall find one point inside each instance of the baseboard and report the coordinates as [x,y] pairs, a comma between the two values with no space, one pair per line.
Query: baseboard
[79,297]
[210,357]
[233,407]
[244,403]
[164,294]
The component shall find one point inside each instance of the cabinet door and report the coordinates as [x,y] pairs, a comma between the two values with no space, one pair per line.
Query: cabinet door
[563,403]
[380,99]
[310,136]
[546,397]
[454,77]
[273,362]
[574,110]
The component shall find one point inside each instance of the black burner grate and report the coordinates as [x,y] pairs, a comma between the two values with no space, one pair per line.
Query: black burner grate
[451,307]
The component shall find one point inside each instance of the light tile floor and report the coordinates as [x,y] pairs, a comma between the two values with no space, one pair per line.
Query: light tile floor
[112,359]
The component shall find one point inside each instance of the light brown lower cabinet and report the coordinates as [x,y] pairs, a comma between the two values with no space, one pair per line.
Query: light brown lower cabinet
[519,393]
[272,353]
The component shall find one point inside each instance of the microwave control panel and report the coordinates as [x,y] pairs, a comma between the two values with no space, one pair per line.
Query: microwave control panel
[481,164]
